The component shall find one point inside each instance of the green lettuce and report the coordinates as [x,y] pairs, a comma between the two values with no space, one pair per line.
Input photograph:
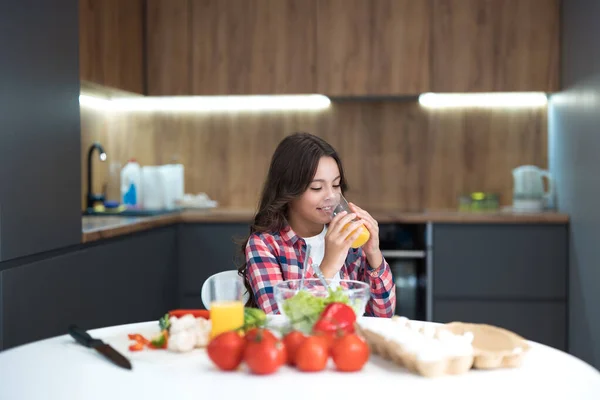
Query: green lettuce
[303,309]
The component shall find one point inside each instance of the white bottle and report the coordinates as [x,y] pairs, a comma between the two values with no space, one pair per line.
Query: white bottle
[131,188]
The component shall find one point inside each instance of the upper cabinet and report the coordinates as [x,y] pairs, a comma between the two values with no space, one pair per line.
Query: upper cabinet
[341,48]
[168,45]
[253,46]
[111,43]
[230,47]
[373,47]
[495,45]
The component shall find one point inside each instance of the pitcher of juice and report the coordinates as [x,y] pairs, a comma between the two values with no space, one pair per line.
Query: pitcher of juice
[226,305]
[364,235]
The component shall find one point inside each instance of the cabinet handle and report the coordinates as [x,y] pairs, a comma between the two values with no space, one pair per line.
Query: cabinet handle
[403,253]
[429,274]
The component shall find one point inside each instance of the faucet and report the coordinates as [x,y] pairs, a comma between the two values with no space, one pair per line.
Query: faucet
[92,198]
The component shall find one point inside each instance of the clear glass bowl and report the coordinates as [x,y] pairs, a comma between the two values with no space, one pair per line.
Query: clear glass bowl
[303,309]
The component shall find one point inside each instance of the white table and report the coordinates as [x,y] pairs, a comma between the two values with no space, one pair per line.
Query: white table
[60,369]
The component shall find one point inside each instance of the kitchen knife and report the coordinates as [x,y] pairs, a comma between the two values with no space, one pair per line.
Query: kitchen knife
[83,338]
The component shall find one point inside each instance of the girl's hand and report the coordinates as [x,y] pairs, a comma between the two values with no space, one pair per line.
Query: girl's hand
[371,248]
[338,242]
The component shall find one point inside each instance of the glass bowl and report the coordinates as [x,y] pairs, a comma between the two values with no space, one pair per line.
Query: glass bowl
[303,308]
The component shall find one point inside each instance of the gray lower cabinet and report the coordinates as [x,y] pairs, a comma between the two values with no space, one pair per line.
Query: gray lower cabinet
[511,275]
[129,279]
[500,261]
[206,249]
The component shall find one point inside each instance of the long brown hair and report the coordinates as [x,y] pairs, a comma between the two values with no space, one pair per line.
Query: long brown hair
[293,167]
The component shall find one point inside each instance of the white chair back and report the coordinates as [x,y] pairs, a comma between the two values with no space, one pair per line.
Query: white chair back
[233,275]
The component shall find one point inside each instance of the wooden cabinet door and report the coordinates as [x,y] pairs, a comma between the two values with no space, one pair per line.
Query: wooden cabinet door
[168,47]
[111,43]
[253,46]
[373,47]
[495,45]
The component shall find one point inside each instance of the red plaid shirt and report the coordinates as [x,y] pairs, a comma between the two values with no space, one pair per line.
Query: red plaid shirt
[271,258]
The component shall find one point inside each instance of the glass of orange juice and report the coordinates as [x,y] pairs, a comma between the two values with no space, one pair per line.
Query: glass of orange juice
[226,305]
[364,235]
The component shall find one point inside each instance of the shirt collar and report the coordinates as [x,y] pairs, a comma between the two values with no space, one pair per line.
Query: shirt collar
[289,235]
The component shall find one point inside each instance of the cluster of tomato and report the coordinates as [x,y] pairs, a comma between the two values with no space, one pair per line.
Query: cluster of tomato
[264,353]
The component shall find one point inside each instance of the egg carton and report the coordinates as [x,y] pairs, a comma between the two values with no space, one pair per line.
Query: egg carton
[431,358]
[494,347]
[491,347]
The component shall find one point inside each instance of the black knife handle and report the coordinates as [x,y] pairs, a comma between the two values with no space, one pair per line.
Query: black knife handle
[82,337]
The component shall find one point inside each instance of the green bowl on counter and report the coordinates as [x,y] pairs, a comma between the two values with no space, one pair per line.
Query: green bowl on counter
[479,201]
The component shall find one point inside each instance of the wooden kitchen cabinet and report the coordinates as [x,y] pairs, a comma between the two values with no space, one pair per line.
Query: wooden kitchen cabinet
[253,46]
[168,47]
[372,48]
[342,48]
[111,43]
[495,45]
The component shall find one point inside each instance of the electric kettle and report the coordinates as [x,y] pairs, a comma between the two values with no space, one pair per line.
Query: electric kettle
[528,189]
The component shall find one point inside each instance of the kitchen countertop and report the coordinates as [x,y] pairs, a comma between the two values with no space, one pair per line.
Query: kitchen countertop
[101,227]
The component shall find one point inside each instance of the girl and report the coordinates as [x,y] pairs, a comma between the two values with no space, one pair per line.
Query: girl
[304,178]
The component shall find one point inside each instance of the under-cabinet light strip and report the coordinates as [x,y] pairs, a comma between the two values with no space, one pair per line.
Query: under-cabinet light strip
[484,100]
[303,102]
[209,103]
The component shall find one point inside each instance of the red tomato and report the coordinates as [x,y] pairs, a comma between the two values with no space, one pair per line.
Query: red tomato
[350,353]
[292,341]
[264,356]
[328,338]
[226,350]
[312,354]
[253,334]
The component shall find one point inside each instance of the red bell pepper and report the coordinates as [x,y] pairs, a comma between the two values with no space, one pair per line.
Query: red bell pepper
[336,319]
[137,346]
[196,313]
[139,338]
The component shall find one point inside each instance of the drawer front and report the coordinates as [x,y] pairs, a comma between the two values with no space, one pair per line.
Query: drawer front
[500,261]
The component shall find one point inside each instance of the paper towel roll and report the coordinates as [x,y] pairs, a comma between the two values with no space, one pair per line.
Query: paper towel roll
[153,188]
[175,186]
[163,186]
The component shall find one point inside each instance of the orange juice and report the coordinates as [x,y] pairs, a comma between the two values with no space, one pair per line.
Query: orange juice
[226,316]
[362,238]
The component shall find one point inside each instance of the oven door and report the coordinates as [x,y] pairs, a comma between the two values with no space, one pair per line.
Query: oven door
[408,270]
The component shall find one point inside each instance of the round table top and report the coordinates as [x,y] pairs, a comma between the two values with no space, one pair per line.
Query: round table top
[59,368]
